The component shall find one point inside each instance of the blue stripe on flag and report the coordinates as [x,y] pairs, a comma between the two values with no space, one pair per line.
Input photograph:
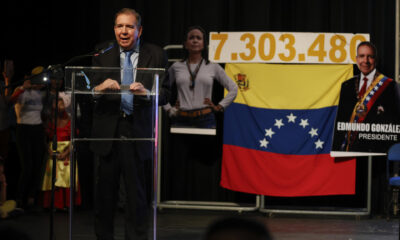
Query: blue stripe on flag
[298,132]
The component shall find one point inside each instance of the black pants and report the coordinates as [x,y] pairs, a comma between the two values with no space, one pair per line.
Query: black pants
[30,144]
[124,160]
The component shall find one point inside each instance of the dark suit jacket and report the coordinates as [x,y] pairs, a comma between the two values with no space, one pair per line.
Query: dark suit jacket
[107,107]
[388,101]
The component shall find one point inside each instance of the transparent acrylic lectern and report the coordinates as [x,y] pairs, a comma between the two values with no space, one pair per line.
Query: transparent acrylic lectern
[108,143]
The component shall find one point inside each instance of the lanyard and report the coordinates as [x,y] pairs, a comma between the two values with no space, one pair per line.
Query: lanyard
[193,74]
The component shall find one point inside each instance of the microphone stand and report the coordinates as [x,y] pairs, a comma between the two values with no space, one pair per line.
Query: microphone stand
[54,142]
[95,53]
[51,68]
[54,167]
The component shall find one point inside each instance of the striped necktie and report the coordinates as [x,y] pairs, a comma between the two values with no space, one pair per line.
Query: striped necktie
[127,79]
[363,88]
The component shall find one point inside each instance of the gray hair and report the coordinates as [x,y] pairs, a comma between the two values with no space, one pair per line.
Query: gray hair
[132,12]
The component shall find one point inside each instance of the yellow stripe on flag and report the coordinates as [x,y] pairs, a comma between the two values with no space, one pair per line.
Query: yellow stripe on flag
[289,86]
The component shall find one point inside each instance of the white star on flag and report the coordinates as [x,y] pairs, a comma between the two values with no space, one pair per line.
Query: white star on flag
[368,98]
[371,93]
[279,123]
[264,143]
[291,118]
[313,132]
[269,132]
[318,144]
[304,123]
[376,88]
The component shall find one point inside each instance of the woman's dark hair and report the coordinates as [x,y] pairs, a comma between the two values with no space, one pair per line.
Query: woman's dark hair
[204,52]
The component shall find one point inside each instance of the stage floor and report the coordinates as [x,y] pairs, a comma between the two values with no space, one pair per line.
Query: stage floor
[191,224]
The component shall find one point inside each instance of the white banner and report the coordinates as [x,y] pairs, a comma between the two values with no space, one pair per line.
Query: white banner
[284,47]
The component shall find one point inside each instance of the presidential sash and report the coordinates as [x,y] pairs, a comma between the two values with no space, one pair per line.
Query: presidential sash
[365,103]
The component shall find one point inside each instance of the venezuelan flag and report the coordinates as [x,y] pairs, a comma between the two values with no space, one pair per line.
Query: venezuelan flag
[278,131]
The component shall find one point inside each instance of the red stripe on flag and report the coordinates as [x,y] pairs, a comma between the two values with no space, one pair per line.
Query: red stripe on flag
[273,174]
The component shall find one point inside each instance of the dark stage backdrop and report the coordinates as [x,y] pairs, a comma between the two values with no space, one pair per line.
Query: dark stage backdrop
[39,33]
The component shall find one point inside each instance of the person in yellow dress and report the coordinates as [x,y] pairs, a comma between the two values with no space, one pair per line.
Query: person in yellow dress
[62,183]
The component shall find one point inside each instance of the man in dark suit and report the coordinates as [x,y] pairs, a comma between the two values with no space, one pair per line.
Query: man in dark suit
[370,100]
[125,116]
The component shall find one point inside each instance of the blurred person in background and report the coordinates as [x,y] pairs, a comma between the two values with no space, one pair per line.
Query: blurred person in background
[30,139]
[8,73]
[192,82]
[62,183]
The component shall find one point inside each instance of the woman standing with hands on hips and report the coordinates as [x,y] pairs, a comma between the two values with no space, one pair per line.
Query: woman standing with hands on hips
[194,77]
[195,171]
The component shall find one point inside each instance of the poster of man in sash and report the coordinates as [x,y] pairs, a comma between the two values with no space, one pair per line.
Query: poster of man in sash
[368,115]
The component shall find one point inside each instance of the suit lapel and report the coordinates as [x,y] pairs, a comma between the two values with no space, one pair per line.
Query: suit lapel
[143,62]
[114,61]
[115,57]
[376,74]
[144,57]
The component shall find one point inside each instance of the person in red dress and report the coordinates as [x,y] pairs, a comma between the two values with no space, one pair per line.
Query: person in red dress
[62,184]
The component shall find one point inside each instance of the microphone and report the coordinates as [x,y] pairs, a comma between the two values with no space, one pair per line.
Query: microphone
[57,70]
[104,50]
